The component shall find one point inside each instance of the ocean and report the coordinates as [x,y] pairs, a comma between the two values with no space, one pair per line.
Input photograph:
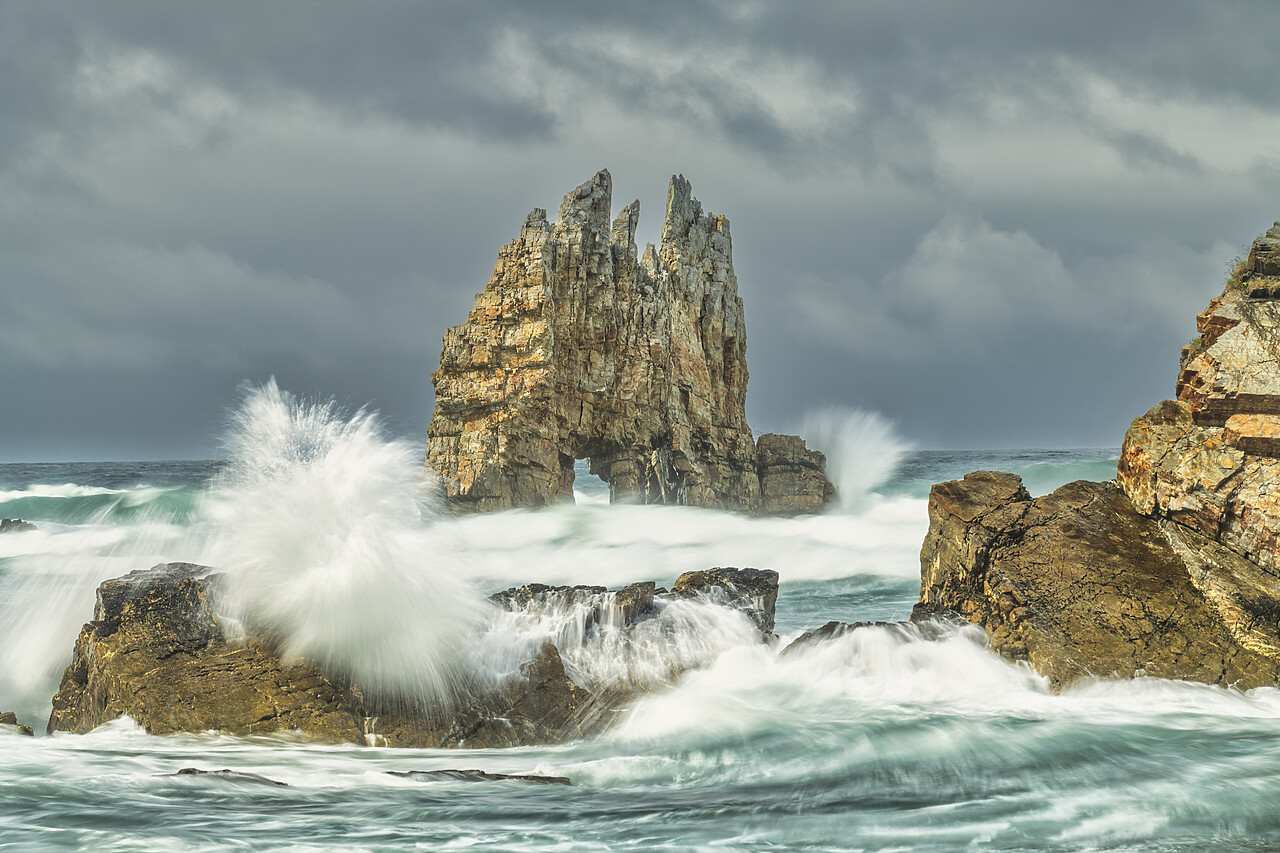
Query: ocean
[877,741]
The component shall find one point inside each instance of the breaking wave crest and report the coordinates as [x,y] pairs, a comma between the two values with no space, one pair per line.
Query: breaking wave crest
[323,538]
[863,450]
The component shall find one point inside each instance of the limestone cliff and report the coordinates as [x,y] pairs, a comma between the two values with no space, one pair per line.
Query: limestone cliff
[581,347]
[1174,569]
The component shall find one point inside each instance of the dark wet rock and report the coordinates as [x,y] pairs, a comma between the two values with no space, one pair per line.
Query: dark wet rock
[230,776]
[927,623]
[156,651]
[10,719]
[636,601]
[623,607]
[754,591]
[542,706]
[539,598]
[830,631]
[477,776]
[15,525]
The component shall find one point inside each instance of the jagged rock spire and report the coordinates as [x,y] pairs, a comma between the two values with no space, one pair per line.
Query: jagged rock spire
[576,350]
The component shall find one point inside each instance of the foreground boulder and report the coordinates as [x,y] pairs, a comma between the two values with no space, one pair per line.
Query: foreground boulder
[1173,570]
[1080,584]
[157,651]
[582,347]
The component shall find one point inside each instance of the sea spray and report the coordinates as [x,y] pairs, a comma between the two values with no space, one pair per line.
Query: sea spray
[601,651]
[49,576]
[323,538]
[862,450]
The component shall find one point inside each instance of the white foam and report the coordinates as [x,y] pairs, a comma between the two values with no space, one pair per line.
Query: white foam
[619,544]
[50,490]
[321,534]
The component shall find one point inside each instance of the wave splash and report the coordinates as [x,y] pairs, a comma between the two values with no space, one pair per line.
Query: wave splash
[863,451]
[322,534]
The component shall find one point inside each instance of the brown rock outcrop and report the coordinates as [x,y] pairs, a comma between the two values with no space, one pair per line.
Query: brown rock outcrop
[1079,583]
[10,720]
[1209,459]
[793,479]
[581,347]
[1173,570]
[156,651]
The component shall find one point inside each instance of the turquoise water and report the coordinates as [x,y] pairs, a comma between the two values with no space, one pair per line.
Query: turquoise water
[878,741]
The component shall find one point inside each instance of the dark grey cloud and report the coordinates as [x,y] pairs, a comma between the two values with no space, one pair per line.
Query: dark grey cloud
[963,215]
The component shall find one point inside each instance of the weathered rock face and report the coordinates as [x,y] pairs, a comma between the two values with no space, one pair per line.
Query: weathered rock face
[1208,460]
[156,652]
[1079,584]
[1174,570]
[581,347]
[793,479]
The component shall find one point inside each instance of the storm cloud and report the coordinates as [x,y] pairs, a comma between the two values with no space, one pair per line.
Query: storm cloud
[992,222]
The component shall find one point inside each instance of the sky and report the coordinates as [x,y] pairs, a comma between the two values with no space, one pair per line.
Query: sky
[991,222]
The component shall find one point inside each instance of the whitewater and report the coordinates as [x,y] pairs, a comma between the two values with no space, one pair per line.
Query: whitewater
[875,741]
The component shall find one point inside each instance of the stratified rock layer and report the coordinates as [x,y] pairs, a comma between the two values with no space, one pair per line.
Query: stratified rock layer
[1173,570]
[582,348]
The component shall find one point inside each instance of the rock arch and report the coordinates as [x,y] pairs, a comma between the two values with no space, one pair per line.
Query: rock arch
[581,347]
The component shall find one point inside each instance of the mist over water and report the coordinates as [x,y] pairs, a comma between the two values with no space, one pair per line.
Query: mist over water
[863,451]
[878,740]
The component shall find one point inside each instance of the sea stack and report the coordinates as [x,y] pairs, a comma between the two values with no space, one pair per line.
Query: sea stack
[1171,570]
[582,347]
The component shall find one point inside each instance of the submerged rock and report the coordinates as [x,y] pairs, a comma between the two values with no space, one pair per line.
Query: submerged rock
[1172,570]
[582,347]
[926,623]
[230,776]
[157,652]
[477,776]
